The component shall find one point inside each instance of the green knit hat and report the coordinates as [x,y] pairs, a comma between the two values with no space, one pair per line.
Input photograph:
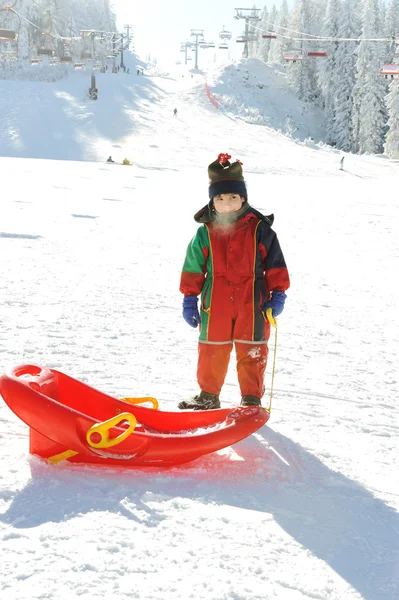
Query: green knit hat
[226,177]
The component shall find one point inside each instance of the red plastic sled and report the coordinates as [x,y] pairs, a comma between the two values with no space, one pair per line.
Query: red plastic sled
[72,421]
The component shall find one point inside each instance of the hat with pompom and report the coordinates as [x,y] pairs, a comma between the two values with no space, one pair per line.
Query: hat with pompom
[226,177]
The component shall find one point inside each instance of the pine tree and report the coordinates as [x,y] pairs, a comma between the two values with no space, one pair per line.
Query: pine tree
[370,118]
[349,27]
[279,46]
[391,28]
[329,73]
[272,19]
[392,141]
[302,75]
[263,46]
[254,34]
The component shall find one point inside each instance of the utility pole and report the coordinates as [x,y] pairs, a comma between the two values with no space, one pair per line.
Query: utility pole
[197,34]
[249,14]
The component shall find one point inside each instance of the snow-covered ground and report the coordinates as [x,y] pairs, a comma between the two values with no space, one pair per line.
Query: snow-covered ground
[307,508]
[259,94]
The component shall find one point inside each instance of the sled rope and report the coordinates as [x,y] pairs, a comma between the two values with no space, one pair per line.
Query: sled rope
[273,323]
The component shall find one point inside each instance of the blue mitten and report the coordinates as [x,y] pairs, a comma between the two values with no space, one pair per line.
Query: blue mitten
[190,311]
[276,303]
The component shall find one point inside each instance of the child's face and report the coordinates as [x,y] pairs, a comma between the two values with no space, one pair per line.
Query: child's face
[225,203]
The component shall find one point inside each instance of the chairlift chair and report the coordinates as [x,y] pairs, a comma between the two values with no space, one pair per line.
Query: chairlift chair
[390,70]
[241,39]
[269,36]
[293,56]
[223,46]
[44,52]
[8,34]
[225,35]
[318,53]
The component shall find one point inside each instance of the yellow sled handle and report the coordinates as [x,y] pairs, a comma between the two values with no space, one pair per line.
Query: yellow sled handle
[153,401]
[104,428]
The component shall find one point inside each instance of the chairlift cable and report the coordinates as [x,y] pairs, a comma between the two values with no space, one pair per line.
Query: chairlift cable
[318,38]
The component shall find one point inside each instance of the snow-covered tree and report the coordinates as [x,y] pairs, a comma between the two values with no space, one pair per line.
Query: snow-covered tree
[263,46]
[330,72]
[370,114]
[254,34]
[391,28]
[392,140]
[302,74]
[349,27]
[279,46]
[272,18]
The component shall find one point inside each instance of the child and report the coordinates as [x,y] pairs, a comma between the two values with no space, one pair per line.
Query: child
[235,262]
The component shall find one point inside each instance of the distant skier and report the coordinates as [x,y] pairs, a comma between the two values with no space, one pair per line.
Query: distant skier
[235,262]
[109,159]
[341,163]
[175,112]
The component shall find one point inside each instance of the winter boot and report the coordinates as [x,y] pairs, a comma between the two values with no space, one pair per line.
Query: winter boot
[203,401]
[250,401]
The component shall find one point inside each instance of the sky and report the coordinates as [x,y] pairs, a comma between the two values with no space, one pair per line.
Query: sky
[91,257]
[159,26]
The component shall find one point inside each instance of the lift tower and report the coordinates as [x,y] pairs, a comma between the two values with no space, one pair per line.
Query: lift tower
[198,34]
[249,14]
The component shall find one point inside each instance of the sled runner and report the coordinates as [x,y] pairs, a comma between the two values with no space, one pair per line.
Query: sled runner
[72,421]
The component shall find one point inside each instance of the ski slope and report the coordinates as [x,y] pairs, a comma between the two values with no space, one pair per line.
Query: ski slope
[91,255]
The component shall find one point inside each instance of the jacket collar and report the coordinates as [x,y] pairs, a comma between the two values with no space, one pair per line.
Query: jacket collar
[207,215]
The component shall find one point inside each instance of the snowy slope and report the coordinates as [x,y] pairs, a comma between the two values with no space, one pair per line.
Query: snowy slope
[258,93]
[90,262]
[56,120]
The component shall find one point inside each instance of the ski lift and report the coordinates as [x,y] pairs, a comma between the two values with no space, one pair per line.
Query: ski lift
[210,45]
[269,36]
[225,35]
[8,35]
[293,57]
[390,71]
[223,46]
[36,61]
[241,39]
[318,53]
[44,52]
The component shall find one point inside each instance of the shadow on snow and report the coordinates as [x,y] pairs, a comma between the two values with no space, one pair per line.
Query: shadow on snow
[335,518]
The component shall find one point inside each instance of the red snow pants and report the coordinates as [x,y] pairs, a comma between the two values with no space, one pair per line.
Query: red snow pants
[233,322]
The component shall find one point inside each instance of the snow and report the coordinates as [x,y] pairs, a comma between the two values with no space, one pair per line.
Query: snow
[91,256]
[259,94]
